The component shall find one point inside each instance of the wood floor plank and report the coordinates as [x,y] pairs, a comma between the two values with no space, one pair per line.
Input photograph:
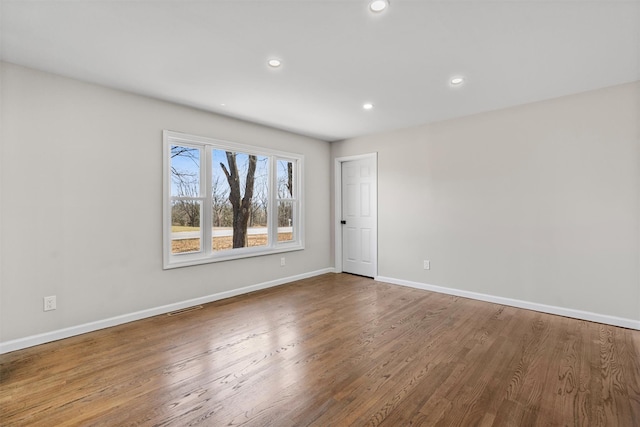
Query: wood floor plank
[333,350]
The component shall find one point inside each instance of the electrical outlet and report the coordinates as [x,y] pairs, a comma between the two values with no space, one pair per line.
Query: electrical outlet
[50,303]
[427,264]
[282,262]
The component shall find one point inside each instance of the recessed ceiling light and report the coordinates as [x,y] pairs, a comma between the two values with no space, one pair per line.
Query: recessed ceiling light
[456,81]
[274,63]
[378,5]
[367,106]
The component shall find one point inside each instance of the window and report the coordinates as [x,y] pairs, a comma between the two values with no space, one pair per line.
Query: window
[224,200]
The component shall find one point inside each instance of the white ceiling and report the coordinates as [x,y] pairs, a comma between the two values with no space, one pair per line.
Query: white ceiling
[336,55]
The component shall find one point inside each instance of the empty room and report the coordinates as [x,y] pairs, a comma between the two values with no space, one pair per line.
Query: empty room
[320,213]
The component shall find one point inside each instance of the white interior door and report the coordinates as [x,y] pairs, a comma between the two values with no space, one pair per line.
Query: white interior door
[359,217]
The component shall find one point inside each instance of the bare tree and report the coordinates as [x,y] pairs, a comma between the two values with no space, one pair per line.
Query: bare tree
[219,199]
[285,179]
[241,204]
[190,209]
[260,203]
[186,212]
[285,191]
[290,178]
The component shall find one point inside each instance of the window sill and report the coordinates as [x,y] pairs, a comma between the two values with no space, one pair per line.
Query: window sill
[189,259]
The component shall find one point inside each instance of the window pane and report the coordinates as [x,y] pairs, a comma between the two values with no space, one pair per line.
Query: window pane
[185,226]
[223,238]
[285,220]
[240,199]
[221,196]
[185,171]
[285,179]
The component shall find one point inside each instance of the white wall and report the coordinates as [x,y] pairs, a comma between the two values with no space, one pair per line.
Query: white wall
[81,204]
[538,203]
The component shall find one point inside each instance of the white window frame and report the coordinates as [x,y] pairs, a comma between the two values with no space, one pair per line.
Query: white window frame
[206,253]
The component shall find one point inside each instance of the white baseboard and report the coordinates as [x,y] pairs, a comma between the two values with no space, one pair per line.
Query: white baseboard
[46,337]
[550,309]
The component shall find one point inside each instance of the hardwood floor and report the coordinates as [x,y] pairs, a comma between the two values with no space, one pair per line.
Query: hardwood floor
[334,350]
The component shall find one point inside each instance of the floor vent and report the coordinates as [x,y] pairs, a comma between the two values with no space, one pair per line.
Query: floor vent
[185,310]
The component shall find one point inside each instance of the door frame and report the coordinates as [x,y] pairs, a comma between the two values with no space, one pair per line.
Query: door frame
[337,181]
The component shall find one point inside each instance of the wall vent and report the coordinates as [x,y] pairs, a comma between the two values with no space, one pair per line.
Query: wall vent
[185,310]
